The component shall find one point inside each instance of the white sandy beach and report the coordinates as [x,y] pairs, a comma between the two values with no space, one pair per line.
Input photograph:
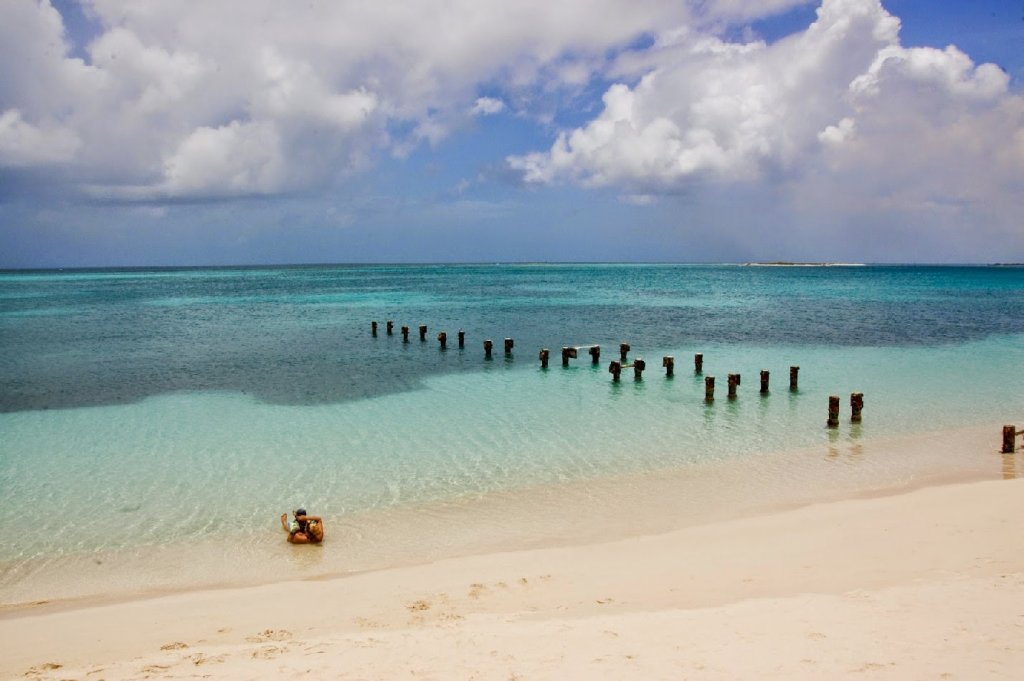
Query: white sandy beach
[925,584]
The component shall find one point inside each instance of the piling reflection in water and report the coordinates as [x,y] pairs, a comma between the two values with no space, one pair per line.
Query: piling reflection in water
[1009,468]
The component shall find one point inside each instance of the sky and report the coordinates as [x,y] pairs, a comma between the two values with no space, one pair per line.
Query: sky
[232,132]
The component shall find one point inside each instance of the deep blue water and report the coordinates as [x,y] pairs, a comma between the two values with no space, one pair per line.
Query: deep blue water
[301,335]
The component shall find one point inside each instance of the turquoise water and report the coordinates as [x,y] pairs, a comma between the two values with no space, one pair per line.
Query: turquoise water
[141,410]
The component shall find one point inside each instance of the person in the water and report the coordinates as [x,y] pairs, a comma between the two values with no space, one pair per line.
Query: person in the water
[303,528]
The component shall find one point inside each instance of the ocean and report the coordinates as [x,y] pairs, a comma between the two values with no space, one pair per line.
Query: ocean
[155,423]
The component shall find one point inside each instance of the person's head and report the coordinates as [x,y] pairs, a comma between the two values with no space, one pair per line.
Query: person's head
[300,512]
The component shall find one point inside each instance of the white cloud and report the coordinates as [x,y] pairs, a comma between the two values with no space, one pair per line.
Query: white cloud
[707,107]
[639,199]
[841,110]
[277,96]
[233,159]
[950,71]
[231,97]
[39,79]
[487,106]
[23,144]
[148,79]
[292,89]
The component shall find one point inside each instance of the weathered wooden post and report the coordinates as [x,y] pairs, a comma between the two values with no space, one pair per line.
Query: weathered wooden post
[856,406]
[669,363]
[509,343]
[595,354]
[734,380]
[405,334]
[462,338]
[373,329]
[623,351]
[764,381]
[1009,435]
[423,332]
[794,373]
[615,368]
[833,411]
[698,363]
[442,338]
[391,328]
[544,355]
[568,353]
[638,368]
[487,348]
[709,388]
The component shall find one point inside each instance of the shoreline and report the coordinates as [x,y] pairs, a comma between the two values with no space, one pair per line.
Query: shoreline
[577,513]
[925,583]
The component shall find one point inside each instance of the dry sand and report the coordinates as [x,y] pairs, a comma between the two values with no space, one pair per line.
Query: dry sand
[927,584]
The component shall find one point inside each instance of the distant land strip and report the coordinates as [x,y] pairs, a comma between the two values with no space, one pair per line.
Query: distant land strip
[803,264]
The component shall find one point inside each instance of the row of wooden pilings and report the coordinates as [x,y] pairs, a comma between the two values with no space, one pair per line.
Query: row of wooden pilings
[441,337]
[734,380]
[639,366]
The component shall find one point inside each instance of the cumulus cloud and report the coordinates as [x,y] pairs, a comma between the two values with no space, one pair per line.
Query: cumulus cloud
[227,97]
[178,100]
[841,108]
[487,106]
[23,144]
[707,107]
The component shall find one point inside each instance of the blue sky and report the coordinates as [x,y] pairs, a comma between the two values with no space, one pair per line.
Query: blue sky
[227,132]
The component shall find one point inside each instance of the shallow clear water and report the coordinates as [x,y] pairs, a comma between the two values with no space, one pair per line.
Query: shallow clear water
[149,408]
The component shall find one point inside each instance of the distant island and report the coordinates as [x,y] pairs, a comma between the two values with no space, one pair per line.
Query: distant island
[782,263]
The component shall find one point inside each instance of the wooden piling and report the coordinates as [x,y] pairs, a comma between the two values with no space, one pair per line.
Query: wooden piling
[734,380]
[669,363]
[833,411]
[709,388]
[373,329]
[487,348]
[698,363]
[615,369]
[623,351]
[764,381]
[462,338]
[1009,437]
[856,406]
[595,354]
[423,332]
[544,355]
[509,344]
[638,368]
[442,338]
[794,373]
[391,328]
[405,334]
[567,354]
